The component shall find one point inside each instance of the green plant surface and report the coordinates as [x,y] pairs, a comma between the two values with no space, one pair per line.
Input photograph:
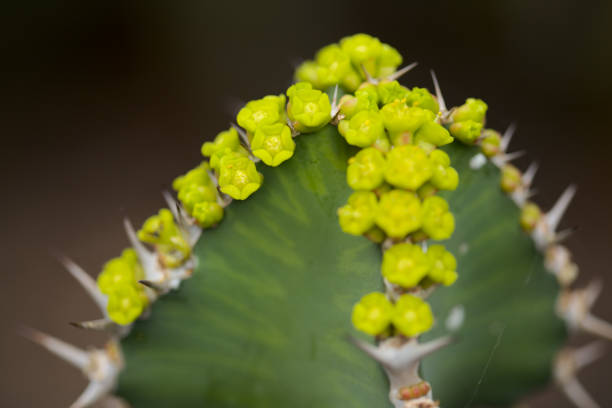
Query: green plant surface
[265,318]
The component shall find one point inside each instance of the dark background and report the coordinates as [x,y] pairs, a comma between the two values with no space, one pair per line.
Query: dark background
[104,103]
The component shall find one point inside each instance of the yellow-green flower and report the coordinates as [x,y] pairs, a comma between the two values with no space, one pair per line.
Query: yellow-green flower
[444,177]
[125,305]
[362,49]
[399,213]
[228,139]
[161,230]
[432,134]
[351,105]
[265,111]
[412,316]
[388,61]
[372,314]
[366,169]
[309,109]
[408,167]
[273,144]
[389,91]
[207,213]
[443,265]
[363,129]
[405,265]
[438,221]
[357,216]
[473,109]
[400,118]
[420,97]
[119,272]
[468,131]
[238,177]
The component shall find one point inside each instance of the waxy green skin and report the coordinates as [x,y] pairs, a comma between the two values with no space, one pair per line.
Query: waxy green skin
[265,318]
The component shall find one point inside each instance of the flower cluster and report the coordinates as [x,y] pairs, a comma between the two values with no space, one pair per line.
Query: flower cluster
[374,314]
[198,195]
[169,241]
[349,63]
[127,299]
[396,176]
[466,121]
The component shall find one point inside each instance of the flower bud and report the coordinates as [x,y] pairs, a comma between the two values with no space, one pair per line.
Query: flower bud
[467,131]
[490,143]
[473,109]
[388,61]
[363,50]
[510,178]
[432,133]
[530,215]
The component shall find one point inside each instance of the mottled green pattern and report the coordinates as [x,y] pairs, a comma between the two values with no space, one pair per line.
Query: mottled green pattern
[263,321]
[511,332]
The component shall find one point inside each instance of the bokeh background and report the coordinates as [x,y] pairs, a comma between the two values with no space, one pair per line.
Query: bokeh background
[105,102]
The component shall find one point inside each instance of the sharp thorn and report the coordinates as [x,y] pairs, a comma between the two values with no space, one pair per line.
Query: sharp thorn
[592,291]
[409,354]
[369,77]
[87,282]
[151,285]
[504,158]
[67,352]
[143,253]
[98,325]
[507,137]
[243,136]
[597,327]
[399,73]
[553,217]
[587,354]
[382,356]
[439,96]
[530,173]
[172,204]
[563,235]
[93,393]
[576,393]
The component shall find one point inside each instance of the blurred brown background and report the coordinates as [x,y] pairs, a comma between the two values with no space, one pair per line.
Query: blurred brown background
[104,103]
